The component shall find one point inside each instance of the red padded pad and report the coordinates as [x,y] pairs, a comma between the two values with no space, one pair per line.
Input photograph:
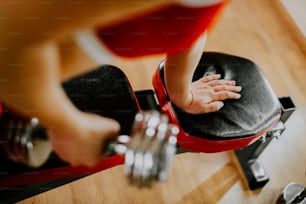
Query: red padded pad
[239,122]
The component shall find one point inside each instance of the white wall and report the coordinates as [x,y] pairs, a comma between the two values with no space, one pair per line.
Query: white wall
[297,10]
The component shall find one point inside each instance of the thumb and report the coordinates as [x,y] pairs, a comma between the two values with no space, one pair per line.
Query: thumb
[107,126]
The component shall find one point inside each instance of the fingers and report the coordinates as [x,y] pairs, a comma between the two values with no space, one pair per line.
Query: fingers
[100,131]
[223,95]
[222,89]
[214,80]
[104,127]
[221,82]
[83,145]
[210,92]
[212,107]
[227,88]
[210,78]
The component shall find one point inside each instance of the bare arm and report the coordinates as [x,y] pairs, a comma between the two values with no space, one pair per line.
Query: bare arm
[31,85]
[30,69]
[202,96]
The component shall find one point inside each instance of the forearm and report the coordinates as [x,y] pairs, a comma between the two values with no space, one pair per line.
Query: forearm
[179,70]
[30,84]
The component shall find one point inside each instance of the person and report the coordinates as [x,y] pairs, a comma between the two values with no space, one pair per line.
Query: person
[33,65]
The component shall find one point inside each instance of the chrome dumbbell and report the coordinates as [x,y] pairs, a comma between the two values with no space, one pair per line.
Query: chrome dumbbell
[24,140]
[148,151]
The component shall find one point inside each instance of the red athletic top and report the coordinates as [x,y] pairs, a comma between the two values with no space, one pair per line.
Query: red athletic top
[169,30]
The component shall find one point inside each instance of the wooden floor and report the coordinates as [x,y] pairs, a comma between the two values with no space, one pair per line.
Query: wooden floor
[255,29]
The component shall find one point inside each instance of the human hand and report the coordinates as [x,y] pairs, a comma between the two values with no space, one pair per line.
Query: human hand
[83,144]
[208,93]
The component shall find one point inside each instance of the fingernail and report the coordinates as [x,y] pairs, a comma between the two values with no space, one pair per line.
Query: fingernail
[239,88]
[238,96]
[220,105]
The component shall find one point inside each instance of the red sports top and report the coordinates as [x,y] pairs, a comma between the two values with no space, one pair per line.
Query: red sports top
[169,30]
